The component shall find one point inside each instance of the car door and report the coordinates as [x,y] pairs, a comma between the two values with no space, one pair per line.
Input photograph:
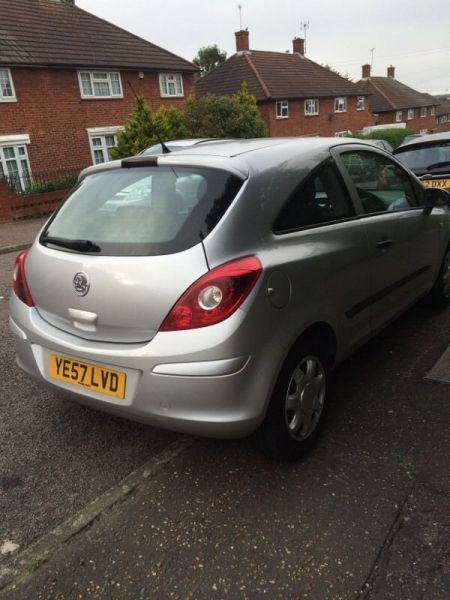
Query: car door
[323,250]
[403,242]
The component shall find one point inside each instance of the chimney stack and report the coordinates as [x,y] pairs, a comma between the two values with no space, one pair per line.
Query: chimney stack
[391,72]
[242,44]
[298,45]
[365,71]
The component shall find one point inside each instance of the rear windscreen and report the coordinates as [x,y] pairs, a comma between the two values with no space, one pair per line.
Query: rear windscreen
[426,157]
[144,210]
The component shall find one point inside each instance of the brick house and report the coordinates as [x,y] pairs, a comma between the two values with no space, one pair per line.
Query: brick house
[443,116]
[295,95]
[394,102]
[68,82]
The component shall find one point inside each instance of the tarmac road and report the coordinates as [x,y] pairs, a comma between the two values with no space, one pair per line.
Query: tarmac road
[364,516]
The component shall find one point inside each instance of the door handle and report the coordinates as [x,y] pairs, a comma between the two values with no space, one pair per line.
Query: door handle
[384,243]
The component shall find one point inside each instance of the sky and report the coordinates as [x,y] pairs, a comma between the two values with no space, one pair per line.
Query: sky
[412,35]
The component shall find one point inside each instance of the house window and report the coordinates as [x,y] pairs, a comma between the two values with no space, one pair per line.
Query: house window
[100,84]
[432,110]
[410,114]
[171,84]
[15,166]
[423,111]
[282,109]
[312,106]
[101,142]
[398,115]
[340,105]
[360,103]
[7,93]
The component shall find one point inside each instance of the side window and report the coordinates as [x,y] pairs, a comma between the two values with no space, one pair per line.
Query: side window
[321,198]
[381,185]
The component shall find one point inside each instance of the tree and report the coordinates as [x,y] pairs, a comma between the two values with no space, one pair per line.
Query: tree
[143,128]
[333,70]
[224,116]
[137,133]
[209,57]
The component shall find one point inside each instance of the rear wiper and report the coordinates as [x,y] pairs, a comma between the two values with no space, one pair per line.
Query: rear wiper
[435,165]
[81,245]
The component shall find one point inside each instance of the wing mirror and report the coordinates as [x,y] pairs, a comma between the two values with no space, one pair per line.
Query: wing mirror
[435,197]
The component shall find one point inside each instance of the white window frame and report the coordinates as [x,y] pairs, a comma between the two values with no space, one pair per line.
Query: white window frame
[93,80]
[398,116]
[423,111]
[410,114]
[342,133]
[12,98]
[360,102]
[432,110]
[311,103]
[340,104]
[424,131]
[17,143]
[102,133]
[171,78]
[282,109]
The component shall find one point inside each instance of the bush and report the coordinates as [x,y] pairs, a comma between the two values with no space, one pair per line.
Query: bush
[394,136]
[224,116]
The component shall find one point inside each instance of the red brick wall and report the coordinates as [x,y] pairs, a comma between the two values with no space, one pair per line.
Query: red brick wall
[416,124]
[14,206]
[49,108]
[326,123]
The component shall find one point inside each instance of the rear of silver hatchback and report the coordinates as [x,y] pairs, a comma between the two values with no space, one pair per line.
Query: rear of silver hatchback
[116,306]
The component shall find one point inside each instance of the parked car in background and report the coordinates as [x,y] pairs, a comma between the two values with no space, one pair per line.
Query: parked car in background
[212,290]
[428,156]
[383,144]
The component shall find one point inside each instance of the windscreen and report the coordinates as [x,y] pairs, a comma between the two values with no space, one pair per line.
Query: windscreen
[427,157]
[142,210]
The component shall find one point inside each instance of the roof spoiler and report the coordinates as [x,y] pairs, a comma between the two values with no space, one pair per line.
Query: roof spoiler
[140,161]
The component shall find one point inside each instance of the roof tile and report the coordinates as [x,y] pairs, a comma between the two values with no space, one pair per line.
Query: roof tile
[55,33]
[275,75]
[390,94]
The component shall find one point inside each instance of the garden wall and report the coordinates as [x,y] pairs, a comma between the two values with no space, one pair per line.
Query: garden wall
[15,206]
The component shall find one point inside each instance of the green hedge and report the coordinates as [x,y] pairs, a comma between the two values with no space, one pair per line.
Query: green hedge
[394,136]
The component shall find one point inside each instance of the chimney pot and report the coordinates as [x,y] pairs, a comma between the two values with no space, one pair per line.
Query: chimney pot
[298,45]
[365,71]
[391,72]
[242,43]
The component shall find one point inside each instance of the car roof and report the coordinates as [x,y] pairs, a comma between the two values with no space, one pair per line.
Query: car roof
[238,154]
[175,145]
[427,138]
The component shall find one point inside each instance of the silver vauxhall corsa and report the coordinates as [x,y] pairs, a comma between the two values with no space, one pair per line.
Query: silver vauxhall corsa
[212,290]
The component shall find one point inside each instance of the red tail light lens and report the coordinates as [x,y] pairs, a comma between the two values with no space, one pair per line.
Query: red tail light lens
[215,296]
[20,285]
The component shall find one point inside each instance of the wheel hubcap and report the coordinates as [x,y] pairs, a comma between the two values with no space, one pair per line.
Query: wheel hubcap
[305,397]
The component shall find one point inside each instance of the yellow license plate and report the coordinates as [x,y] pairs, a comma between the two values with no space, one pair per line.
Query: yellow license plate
[437,183]
[93,377]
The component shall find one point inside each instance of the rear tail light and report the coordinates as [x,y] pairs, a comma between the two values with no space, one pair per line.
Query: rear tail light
[215,296]
[20,285]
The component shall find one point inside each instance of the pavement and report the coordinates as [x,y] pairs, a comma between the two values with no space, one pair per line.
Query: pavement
[19,234]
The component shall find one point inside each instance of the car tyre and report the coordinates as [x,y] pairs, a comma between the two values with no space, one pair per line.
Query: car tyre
[439,295]
[298,404]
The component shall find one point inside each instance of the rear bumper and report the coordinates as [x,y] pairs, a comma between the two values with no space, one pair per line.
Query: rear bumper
[211,392]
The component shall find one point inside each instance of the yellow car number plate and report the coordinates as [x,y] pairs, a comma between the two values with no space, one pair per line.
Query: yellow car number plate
[94,377]
[437,183]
